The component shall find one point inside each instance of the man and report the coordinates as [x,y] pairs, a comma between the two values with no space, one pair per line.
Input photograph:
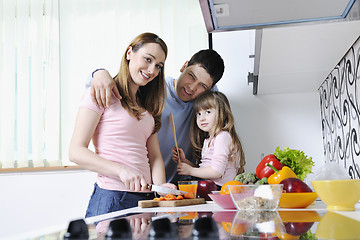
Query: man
[198,75]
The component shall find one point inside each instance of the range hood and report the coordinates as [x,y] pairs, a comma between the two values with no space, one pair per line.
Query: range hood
[227,15]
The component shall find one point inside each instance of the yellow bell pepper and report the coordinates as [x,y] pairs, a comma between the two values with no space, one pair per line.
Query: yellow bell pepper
[280,175]
[286,236]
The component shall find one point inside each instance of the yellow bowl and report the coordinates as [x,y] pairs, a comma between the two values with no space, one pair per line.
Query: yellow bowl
[299,216]
[338,195]
[336,226]
[297,200]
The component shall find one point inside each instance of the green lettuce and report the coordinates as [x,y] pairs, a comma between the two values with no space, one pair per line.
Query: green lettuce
[296,160]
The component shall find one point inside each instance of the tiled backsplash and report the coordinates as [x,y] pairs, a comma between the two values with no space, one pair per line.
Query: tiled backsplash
[340,112]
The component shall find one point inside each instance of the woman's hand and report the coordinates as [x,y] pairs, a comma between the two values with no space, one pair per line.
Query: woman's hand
[134,181]
[140,225]
[167,185]
[102,86]
[175,156]
[184,169]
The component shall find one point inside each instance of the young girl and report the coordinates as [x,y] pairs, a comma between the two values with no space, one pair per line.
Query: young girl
[127,155]
[217,148]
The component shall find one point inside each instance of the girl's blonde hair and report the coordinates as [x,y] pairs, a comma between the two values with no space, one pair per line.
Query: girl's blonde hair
[152,96]
[224,122]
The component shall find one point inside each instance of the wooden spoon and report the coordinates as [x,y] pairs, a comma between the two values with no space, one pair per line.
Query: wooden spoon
[174,133]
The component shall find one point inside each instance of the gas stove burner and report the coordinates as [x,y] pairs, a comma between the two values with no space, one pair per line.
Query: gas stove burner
[119,229]
[77,230]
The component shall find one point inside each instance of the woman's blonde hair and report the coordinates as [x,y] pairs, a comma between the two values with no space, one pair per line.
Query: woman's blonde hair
[224,122]
[152,96]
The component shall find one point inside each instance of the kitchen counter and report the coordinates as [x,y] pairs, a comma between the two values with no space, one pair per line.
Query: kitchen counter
[231,224]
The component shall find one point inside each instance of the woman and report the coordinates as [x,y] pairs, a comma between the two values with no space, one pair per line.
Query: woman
[127,155]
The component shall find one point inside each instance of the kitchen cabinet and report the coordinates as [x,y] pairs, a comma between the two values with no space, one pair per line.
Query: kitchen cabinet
[299,58]
[297,43]
[230,15]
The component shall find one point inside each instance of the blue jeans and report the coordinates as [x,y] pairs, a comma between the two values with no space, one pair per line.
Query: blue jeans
[105,201]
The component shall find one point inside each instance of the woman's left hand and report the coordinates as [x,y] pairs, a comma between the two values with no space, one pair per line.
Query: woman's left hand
[168,185]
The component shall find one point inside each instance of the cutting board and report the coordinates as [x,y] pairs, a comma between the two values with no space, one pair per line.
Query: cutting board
[172,203]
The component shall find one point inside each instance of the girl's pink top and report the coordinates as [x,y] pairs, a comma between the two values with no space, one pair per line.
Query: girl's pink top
[217,156]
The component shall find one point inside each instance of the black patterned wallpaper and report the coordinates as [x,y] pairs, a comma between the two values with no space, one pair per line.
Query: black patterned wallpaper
[340,113]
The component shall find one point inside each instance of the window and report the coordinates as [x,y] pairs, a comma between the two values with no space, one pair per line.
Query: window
[29,64]
[50,47]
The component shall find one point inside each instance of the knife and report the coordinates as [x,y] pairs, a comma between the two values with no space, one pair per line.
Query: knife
[169,216]
[166,190]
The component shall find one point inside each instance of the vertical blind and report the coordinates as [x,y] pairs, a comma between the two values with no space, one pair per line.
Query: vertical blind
[49,48]
[29,64]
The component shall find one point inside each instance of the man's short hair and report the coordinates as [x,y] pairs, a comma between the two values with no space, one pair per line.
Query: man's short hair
[211,61]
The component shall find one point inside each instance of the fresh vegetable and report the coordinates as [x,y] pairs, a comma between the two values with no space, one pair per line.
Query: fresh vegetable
[246,178]
[286,236]
[262,181]
[224,188]
[250,178]
[237,229]
[268,236]
[205,187]
[263,171]
[278,176]
[308,236]
[292,185]
[296,160]
[169,197]
[297,228]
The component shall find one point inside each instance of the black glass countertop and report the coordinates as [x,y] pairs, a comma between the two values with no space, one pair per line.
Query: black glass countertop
[273,225]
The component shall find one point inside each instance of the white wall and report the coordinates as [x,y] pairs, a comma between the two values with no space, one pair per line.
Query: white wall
[264,122]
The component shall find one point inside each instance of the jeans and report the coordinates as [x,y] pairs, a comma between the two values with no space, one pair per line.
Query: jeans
[105,201]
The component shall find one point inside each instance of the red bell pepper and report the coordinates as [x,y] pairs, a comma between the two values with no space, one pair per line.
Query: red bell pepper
[264,171]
